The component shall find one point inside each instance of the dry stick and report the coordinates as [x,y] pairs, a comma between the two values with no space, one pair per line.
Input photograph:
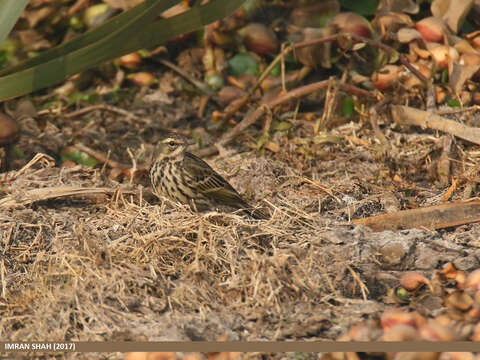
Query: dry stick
[269,68]
[39,157]
[280,57]
[250,119]
[77,6]
[253,117]
[282,67]
[115,110]
[330,98]
[458,110]
[34,195]
[104,166]
[268,123]
[100,157]
[361,284]
[3,279]
[410,116]
[321,187]
[373,117]
[233,107]
[430,217]
[374,43]
[110,108]
[390,50]
[201,86]
[203,104]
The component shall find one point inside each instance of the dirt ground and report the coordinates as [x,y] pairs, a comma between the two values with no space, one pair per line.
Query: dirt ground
[113,263]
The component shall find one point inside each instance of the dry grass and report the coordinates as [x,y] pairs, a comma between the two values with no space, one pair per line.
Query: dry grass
[85,258]
[95,266]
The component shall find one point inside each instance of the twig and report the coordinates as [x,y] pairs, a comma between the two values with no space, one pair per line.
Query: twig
[76,7]
[431,217]
[330,38]
[114,109]
[321,187]
[201,86]
[203,104]
[459,110]
[100,157]
[134,164]
[285,50]
[270,67]
[34,195]
[363,287]
[104,107]
[233,107]
[47,160]
[282,66]
[329,106]
[253,117]
[267,124]
[373,117]
[2,276]
[106,162]
[299,45]
[410,116]
[403,59]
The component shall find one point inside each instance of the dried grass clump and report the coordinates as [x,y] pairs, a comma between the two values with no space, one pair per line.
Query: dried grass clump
[109,266]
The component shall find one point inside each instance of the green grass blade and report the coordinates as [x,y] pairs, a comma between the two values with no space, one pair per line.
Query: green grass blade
[192,20]
[132,34]
[57,69]
[10,11]
[93,35]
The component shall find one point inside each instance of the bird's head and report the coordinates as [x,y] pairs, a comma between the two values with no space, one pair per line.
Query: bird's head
[170,146]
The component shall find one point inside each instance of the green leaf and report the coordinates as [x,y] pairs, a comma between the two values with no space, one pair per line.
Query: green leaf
[127,32]
[88,38]
[214,81]
[454,103]
[80,158]
[283,126]
[444,76]
[262,141]
[10,11]
[241,64]
[348,108]
[402,294]
[3,57]
[362,7]
[277,70]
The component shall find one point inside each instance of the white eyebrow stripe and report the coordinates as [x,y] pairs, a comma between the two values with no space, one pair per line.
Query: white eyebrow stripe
[176,141]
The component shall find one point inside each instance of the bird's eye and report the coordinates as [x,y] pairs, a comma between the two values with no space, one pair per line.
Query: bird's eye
[171,143]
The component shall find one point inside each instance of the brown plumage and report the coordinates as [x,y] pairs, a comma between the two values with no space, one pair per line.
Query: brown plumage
[182,176]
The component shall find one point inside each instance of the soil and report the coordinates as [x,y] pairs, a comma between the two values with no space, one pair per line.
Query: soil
[118,264]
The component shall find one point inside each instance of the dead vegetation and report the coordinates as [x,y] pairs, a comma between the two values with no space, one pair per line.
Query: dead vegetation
[110,262]
[88,254]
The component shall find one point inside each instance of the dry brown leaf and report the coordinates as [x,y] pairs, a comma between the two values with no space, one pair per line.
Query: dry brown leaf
[460,74]
[453,12]
[123,4]
[406,35]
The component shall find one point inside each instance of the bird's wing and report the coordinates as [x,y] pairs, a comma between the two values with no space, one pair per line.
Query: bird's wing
[210,183]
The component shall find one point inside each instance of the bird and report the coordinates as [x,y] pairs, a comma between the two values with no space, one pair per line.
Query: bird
[183,177]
